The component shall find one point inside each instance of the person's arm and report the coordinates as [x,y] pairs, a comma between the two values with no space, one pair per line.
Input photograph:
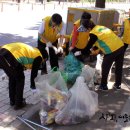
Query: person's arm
[74,36]
[35,67]
[121,30]
[63,29]
[92,40]
[61,34]
[41,31]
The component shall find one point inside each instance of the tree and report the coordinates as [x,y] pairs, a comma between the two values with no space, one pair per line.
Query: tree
[100,3]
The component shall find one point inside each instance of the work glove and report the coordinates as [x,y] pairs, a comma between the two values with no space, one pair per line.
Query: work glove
[60,50]
[77,53]
[55,49]
[47,49]
[71,48]
[49,44]
[34,91]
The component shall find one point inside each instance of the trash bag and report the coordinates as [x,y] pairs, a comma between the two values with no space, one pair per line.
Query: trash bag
[50,96]
[52,100]
[72,68]
[54,79]
[81,106]
[91,76]
[34,98]
[99,64]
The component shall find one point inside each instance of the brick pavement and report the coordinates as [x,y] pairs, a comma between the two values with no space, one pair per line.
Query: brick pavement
[7,113]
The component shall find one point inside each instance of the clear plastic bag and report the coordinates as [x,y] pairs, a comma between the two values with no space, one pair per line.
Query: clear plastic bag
[81,106]
[50,97]
[99,64]
[34,98]
[54,79]
[88,74]
[91,76]
[52,100]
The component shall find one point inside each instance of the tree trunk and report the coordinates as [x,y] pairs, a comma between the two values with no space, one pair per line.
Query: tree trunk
[100,3]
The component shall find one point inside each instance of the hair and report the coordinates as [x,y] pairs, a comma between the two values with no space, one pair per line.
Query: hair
[85,20]
[86,15]
[56,18]
[87,23]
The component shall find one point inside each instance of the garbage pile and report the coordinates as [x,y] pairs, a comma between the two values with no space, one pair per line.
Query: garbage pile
[77,105]
[66,106]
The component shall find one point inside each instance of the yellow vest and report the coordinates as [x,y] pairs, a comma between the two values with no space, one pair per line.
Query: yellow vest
[82,39]
[108,41]
[50,33]
[23,53]
[126,35]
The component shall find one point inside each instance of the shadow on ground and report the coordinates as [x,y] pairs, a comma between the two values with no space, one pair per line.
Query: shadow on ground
[8,38]
[110,105]
[29,36]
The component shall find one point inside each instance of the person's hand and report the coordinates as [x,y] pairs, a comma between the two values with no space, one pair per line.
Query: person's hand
[71,48]
[55,49]
[60,50]
[77,53]
[34,91]
[94,52]
[49,44]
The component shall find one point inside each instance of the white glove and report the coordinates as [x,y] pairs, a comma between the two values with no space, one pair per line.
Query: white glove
[71,48]
[34,91]
[60,50]
[49,44]
[47,49]
[77,53]
[55,49]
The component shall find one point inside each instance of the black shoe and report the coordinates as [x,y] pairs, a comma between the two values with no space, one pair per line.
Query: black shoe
[20,106]
[117,87]
[103,88]
[12,103]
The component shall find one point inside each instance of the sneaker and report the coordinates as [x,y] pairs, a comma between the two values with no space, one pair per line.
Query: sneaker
[20,106]
[103,88]
[117,87]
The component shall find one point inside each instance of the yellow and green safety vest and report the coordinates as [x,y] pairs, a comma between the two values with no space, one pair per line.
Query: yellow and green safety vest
[108,41]
[126,34]
[49,32]
[23,53]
